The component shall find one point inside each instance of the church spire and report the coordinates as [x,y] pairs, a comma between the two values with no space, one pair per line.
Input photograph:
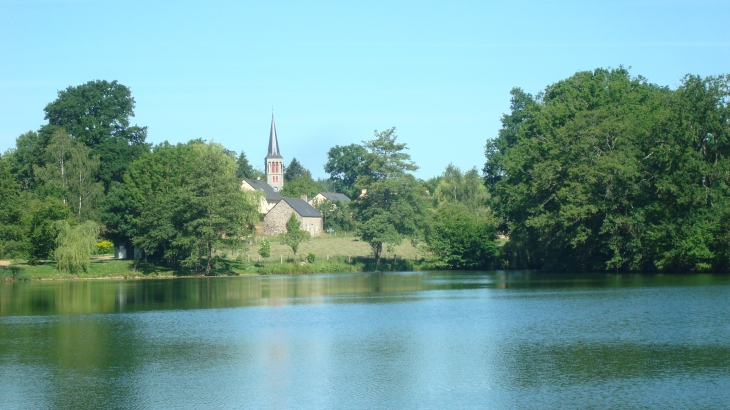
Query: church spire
[273,142]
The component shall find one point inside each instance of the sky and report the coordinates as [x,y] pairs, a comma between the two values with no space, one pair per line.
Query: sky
[335,71]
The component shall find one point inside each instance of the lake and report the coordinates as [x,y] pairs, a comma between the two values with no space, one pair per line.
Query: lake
[393,340]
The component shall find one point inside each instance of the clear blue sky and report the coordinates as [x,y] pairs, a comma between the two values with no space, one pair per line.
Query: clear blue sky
[335,71]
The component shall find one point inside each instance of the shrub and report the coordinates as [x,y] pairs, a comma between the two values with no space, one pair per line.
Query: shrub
[310,257]
[104,247]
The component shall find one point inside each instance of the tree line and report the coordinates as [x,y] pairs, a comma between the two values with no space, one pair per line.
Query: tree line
[601,171]
[604,171]
[89,174]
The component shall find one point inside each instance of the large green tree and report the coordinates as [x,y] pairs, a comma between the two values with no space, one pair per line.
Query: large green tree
[244,170]
[462,239]
[97,114]
[12,206]
[393,208]
[343,166]
[186,204]
[605,171]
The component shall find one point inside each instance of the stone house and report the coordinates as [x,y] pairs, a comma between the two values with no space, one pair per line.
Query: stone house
[309,218]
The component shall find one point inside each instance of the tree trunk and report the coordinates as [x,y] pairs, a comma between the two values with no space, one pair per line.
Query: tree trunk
[378,251]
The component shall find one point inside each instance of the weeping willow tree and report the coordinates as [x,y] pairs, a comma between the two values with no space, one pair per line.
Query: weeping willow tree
[74,246]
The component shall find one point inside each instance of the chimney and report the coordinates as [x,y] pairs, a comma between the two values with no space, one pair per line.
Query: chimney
[304,197]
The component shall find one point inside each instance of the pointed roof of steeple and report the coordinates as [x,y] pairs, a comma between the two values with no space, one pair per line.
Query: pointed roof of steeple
[273,141]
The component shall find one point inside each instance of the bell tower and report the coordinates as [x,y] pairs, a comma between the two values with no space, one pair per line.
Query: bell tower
[274,161]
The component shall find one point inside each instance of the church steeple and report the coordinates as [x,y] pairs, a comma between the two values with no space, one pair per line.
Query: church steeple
[274,162]
[273,141]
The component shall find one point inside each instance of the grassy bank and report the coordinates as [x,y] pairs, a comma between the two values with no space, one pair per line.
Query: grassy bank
[332,255]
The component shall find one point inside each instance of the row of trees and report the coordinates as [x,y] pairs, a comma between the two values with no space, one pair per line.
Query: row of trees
[89,172]
[607,172]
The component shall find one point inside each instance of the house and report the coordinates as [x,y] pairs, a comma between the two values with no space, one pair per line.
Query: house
[309,218]
[328,196]
[276,209]
[270,198]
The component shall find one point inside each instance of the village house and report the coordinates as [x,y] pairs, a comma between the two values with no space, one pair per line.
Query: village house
[328,196]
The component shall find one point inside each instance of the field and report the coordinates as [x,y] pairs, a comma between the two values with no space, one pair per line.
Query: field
[334,246]
[332,254]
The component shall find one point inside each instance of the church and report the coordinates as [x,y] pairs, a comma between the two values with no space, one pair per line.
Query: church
[276,208]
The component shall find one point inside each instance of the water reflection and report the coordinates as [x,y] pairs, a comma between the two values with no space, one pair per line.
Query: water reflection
[102,296]
[404,340]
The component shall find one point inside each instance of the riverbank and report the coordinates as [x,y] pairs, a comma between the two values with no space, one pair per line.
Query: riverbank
[331,255]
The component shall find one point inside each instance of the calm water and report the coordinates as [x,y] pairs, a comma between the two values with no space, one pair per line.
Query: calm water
[403,340]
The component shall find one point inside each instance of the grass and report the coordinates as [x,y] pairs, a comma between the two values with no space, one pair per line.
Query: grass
[333,254]
[332,246]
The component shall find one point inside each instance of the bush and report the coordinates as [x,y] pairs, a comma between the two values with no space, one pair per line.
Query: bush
[104,247]
[310,257]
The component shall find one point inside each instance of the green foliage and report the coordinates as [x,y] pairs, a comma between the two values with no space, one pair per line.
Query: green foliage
[393,207]
[265,248]
[604,171]
[12,205]
[392,210]
[244,170]
[41,228]
[343,164]
[75,245]
[185,203]
[310,257]
[384,159]
[69,174]
[104,247]
[462,239]
[337,215]
[97,114]
[294,234]
[462,188]
[299,181]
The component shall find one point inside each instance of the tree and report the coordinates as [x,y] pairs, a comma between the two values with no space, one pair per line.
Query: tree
[299,181]
[294,234]
[244,170]
[12,207]
[337,215]
[461,239]
[29,153]
[295,170]
[75,245]
[41,226]
[393,207]
[54,174]
[84,192]
[464,188]
[343,166]
[265,248]
[384,159]
[70,175]
[392,210]
[186,203]
[97,114]
[604,171]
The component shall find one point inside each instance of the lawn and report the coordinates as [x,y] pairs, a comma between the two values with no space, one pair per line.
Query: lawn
[332,246]
[332,254]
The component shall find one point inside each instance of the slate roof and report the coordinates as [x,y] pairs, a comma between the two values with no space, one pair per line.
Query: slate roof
[273,141]
[303,208]
[335,196]
[268,191]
